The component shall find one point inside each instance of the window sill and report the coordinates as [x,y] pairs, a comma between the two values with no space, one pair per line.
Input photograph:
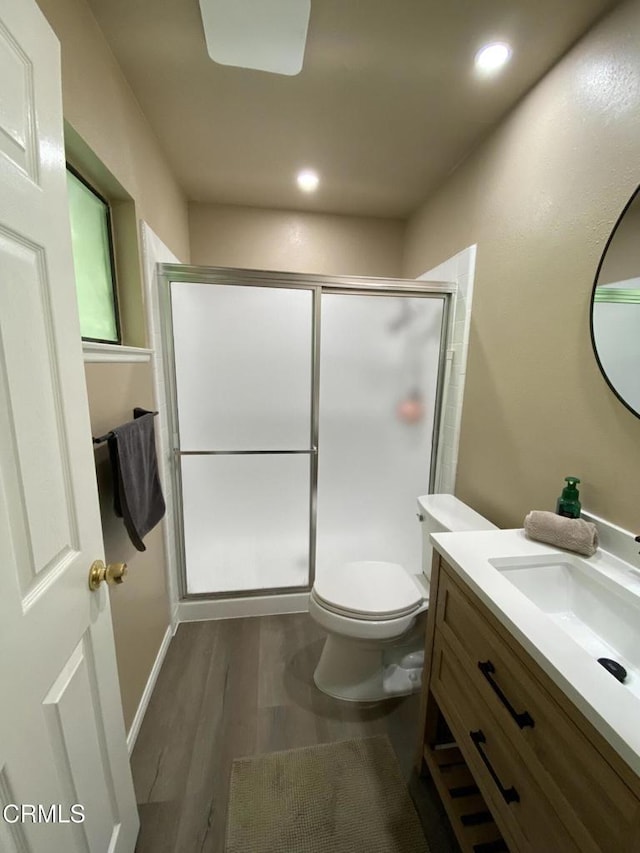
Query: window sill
[93,352]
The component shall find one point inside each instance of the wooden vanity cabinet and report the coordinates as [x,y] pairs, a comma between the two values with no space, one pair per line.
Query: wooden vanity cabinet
[518,767]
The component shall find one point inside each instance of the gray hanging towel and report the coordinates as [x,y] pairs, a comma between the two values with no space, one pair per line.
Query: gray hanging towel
[137,493]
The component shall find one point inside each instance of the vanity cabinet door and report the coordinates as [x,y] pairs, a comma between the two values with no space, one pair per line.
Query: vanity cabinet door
[519,806]
[593,801]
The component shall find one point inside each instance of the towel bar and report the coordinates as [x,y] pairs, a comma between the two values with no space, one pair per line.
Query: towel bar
[102,438]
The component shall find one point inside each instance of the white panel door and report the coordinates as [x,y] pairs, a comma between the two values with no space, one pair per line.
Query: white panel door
[62,742]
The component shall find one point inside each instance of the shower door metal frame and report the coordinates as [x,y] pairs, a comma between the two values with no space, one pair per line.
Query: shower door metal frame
[317,285]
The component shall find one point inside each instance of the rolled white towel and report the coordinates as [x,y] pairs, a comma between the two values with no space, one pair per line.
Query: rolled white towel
[574,534]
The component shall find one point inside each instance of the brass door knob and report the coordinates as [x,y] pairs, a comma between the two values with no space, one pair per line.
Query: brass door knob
[112,574]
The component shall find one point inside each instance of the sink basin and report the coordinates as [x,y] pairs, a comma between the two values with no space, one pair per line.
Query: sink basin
[597,605]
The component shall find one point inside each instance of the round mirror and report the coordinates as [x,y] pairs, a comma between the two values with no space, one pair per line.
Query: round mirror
[615,308]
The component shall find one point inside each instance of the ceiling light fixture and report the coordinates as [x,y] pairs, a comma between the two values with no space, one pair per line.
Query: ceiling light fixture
[308,180]
[492,57]
[264,35]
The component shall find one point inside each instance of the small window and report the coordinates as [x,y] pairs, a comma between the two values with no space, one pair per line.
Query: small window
[93,261]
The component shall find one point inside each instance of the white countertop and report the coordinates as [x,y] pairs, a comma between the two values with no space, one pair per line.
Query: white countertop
[611,708]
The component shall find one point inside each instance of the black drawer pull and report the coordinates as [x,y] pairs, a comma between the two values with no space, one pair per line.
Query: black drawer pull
[509,795]
[524,719]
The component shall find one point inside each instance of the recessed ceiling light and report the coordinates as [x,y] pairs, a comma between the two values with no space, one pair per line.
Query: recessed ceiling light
[492,57]
[308,180]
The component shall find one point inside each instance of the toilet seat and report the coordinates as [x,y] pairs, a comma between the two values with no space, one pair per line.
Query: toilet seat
[368,590]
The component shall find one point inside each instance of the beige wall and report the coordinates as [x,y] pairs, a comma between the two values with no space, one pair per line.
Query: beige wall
[622,260]
[109,134]
[253,238]
[540,198]
[139,607]
[102,109]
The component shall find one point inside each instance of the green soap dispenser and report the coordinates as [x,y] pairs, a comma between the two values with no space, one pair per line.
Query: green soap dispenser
[569,501]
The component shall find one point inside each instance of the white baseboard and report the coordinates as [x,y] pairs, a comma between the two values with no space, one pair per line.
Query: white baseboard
[236,608]
[175,620]
[132,735]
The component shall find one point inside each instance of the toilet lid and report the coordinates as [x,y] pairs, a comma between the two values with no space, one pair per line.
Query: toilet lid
[369,589]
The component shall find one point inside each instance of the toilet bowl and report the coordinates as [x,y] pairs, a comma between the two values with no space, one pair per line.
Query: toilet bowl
[374,613]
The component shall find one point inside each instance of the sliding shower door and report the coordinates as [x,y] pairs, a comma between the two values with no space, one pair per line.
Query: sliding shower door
[304,415]
[243,386]
[380,360]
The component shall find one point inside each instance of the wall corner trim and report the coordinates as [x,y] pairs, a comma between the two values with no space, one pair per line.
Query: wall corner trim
[132,734]
[95,352]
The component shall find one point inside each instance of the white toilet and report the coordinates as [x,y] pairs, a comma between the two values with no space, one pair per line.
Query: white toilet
[375,613]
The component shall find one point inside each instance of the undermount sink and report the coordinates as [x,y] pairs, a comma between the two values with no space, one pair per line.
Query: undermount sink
[596,604]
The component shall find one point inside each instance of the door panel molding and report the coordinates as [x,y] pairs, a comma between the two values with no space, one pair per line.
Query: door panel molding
[18,142]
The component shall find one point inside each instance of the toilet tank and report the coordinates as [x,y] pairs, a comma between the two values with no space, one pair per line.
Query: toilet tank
[444,514]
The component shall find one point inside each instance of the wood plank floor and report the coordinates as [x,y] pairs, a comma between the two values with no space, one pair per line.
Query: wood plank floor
[240,687]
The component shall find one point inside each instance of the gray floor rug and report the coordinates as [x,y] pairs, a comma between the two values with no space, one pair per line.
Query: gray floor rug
[334,798]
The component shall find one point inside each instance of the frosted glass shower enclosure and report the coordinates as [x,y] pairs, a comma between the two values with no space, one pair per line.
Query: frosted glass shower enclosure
[305,417]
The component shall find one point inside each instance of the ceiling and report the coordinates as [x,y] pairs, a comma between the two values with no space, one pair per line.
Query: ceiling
[386,105]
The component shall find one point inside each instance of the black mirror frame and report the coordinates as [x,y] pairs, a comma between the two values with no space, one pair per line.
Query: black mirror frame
[630,408]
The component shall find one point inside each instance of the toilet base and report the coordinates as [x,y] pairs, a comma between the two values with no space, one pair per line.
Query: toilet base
[358,671]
